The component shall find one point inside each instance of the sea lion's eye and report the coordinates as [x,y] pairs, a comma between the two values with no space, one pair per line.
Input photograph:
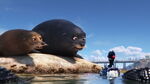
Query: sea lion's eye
[34,39]
[75,38]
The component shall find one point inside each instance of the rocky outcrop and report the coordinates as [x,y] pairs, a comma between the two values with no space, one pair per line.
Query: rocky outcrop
[37,63]
[6,75]
[142,74]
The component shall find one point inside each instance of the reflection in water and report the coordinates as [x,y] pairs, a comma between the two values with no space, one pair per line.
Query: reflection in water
[132,82]
[112,81]
[78,79]
[59,79]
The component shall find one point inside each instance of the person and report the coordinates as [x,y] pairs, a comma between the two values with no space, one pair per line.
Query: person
[111,56]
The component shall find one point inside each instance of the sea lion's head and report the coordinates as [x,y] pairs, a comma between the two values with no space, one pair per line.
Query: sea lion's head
[35,40]
[75,39]
[20,42]
[62,36]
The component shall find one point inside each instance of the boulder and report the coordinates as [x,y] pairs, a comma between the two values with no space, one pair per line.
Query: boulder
[38,63]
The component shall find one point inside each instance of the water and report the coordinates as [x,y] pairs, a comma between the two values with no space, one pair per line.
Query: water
[78,79]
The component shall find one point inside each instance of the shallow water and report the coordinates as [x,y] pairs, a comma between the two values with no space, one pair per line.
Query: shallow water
[78,79]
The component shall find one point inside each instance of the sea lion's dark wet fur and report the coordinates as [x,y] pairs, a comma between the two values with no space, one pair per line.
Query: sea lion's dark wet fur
[62,36]
[19,42]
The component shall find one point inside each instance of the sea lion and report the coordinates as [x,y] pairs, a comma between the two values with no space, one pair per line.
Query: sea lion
[63,37]
[20,42]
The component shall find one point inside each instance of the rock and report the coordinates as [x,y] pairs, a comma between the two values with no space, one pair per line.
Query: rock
[142,74]
[7,77]
[37,63]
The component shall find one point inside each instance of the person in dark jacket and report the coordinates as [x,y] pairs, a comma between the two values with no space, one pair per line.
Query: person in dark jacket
[111,56]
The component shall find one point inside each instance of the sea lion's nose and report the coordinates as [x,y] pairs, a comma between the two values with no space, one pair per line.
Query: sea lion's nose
[82,44]
[44,44]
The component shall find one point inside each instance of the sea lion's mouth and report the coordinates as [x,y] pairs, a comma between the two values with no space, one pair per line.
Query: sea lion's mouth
[79,47]
[41,45]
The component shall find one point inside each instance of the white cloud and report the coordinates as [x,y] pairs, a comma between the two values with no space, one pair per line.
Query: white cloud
[134,48]
[130,51]
[119,49]
[96,55]
[122,53]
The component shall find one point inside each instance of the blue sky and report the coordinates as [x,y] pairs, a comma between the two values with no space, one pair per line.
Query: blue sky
[121,25]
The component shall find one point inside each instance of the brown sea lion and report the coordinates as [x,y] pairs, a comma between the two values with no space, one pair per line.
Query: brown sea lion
[62,36]
[20,42]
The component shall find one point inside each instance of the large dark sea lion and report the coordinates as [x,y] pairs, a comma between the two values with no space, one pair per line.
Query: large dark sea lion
[62,36]
[20,42]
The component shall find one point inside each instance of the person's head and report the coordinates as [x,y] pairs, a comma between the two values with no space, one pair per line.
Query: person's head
[111,53]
